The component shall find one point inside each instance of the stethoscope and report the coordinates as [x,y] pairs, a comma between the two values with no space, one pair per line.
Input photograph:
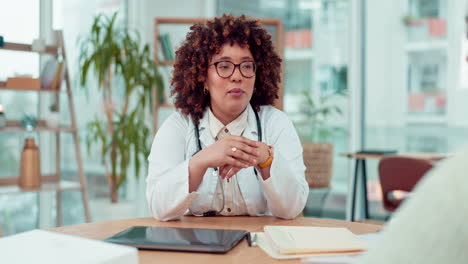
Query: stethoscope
[199,147]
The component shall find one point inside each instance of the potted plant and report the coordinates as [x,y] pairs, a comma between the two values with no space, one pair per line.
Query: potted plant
[114,53]
[317,150]
[53,118]
[318,113]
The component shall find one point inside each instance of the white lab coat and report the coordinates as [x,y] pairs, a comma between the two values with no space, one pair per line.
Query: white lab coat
[283,195]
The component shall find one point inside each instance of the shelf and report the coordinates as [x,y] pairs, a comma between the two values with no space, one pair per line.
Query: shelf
[168,106]
[425,119]
[178,20]
[426,45]
[14,126]
[3,87]
[166,63]
[50,182]
[45,187]
[298,54]
[28,48]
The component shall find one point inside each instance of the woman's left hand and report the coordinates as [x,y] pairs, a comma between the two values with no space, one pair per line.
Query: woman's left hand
[226,172]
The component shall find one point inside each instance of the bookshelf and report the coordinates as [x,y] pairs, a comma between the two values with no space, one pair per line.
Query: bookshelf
[269,23]
[50,182]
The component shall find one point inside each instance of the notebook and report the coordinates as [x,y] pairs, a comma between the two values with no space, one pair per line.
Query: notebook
[179,239]
[313,240]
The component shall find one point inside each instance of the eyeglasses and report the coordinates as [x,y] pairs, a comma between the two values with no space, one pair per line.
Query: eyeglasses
[225,69]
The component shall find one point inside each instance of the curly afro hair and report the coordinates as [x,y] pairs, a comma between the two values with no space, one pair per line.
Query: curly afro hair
[203,42]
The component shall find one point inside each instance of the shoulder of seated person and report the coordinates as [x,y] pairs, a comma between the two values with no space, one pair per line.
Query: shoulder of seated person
[178,116]
[176,119]
[272,114]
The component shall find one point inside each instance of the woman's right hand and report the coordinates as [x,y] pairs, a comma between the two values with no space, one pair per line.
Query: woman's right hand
[235,151]
[231,151]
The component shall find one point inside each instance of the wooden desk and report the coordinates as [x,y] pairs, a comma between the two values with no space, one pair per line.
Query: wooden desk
[242,253]
[361,178]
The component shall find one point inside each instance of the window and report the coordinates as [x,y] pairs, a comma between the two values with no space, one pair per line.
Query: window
[315,64]
[414,60]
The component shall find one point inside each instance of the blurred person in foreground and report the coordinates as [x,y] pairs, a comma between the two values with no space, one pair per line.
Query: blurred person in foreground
[431,227]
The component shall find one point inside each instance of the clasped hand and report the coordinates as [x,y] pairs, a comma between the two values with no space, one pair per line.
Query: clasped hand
[233,153]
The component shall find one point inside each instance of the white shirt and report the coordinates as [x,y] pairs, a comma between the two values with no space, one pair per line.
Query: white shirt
[236,127]
[228,196]
[284,194]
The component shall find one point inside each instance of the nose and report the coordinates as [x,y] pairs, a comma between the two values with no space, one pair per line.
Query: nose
[236,75]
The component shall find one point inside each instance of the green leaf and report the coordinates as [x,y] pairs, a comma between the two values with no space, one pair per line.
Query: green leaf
[109,48]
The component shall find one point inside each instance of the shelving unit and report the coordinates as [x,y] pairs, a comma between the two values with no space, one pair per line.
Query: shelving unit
[426,46]
[45,187]
[158,21]
[3,87]
[50,182]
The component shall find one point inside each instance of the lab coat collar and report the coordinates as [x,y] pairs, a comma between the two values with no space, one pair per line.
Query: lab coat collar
[251,131]
[207,139]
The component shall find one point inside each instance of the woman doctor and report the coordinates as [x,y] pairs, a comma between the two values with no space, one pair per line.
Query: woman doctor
[226,151]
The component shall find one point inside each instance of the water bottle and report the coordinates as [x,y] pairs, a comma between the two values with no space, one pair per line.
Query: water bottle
[30,170]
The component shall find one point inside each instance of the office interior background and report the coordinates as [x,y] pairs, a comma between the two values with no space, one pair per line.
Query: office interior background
[396,70]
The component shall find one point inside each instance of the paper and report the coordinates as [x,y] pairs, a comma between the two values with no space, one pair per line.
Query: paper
[309,239]
[40,246]
[370,238]
[263,244]
[311,258]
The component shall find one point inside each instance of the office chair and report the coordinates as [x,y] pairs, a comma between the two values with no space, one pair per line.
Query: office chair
[399,175]
[318,158]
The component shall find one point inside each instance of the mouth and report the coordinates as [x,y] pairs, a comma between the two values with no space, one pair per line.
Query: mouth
[236,92]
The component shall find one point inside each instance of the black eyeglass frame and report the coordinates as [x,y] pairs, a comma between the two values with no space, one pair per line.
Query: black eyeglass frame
[234,69]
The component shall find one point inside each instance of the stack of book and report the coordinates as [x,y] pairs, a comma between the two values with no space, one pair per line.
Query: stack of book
[287,242]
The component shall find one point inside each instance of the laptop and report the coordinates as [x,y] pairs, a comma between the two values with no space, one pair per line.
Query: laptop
[179,239]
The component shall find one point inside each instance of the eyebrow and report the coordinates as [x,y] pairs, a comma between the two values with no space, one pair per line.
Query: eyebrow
[228,58]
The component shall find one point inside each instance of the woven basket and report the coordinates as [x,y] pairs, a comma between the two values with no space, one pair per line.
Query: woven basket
[318,158]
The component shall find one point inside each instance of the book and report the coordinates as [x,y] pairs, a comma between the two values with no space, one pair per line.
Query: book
[58,77]
[52,74]
[166,46]
[342,259]
[288,240]
[39,246]
[162,48]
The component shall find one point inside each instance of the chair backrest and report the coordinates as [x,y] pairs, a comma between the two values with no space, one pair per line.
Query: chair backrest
[318,158]
[400,174]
